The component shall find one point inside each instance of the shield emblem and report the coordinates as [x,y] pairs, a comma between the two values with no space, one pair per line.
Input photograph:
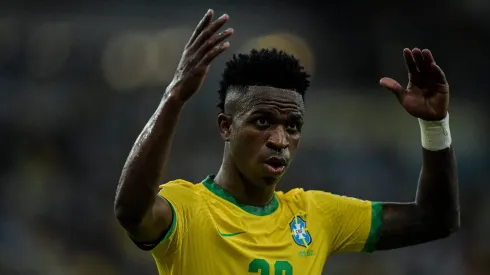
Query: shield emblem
[299,232]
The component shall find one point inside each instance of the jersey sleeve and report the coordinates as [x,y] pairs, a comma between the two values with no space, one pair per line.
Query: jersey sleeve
[182,198]
[352,225]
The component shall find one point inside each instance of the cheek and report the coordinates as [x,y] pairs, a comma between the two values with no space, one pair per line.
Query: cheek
[294,143]
[247,144]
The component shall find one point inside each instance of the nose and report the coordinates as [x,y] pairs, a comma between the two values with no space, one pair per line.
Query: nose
[278,139]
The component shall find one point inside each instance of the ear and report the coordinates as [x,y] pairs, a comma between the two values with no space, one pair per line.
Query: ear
[224,125]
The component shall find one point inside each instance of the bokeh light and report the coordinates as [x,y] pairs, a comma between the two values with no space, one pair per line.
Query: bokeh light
[287,42]
[129,60]
[136,59]
[171,42]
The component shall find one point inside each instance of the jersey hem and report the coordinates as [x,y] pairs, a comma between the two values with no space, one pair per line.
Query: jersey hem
[165,236]
[171,230]
[375,231]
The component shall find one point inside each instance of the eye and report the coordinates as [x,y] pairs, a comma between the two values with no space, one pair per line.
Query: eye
[262,122]
[292,126]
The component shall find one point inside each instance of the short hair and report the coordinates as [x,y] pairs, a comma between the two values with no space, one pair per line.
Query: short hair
[266,67]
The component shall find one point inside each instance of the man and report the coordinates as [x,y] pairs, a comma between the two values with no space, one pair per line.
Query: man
[234,222]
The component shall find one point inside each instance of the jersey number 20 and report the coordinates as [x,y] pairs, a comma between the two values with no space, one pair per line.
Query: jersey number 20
[262,266]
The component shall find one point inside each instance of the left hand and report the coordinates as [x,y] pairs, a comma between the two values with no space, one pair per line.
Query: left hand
[427,93]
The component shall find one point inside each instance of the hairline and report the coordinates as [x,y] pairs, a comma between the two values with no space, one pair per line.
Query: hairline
[241,90]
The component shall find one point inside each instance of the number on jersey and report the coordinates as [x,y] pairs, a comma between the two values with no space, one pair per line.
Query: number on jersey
[262,267]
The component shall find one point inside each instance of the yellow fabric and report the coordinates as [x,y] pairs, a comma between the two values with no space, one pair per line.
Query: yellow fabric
[212,235]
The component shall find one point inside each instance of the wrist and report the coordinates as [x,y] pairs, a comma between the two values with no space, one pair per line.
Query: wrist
[170,106]
[174,100]
[174,93]
[435,135]
[171,97]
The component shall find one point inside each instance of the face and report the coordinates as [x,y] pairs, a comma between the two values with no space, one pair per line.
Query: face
[262,129]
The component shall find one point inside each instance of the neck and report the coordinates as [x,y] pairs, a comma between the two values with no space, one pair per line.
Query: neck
[241,188]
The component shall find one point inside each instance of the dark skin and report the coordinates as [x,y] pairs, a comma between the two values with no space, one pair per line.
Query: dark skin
[267,122]
[137,206]
[261,122]
[435,213]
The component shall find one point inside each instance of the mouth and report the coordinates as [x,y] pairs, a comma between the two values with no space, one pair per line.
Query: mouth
[275,165]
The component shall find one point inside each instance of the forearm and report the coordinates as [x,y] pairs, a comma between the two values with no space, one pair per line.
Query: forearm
[144,167]
[437,193]
[435,212]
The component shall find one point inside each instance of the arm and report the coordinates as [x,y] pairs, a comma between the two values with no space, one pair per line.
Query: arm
[354,225]
[138,208]
[435,212]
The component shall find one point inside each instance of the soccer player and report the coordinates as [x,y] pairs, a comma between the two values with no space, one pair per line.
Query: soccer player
[234,222]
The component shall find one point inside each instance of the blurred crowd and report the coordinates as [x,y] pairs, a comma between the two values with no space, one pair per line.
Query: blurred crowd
[79,81]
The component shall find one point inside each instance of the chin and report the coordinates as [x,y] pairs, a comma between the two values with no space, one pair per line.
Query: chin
[260,178]
[270,180]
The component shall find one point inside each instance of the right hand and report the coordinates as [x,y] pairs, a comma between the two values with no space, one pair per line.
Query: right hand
[203,47]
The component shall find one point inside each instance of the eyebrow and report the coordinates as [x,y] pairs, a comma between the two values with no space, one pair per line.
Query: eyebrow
[263,111]
[296,116]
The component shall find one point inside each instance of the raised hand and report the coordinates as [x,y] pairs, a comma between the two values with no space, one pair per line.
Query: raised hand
[427,92]
[203,47]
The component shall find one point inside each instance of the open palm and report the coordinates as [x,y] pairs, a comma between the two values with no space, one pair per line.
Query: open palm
[427,92]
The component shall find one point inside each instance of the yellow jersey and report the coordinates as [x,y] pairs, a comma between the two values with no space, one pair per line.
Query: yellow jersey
[294,234]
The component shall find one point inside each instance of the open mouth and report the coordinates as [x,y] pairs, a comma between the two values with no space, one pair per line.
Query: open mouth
[275,165]
[276,162]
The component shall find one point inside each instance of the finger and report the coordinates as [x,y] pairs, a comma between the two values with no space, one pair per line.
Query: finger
[438,74]
[392,86]
[211,55]
[213,42]
[409,61]
[422,65]
[209,31]
[205,21]
[428,56]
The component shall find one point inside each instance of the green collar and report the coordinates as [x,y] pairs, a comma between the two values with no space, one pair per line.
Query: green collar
[254,210]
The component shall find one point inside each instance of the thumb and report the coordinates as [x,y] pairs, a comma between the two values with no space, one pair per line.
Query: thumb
[391,85]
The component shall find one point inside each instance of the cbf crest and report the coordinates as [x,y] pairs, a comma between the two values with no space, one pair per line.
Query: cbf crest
[299,231]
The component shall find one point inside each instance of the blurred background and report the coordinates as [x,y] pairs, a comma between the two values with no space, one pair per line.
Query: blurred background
[79,80]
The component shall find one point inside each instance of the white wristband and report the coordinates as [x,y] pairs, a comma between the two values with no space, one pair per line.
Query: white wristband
[435,134]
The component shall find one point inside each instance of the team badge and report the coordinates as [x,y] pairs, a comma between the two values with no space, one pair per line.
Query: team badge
[300,233]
